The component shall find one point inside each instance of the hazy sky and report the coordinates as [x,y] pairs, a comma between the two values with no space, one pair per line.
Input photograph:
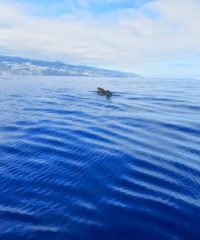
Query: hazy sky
[150,37]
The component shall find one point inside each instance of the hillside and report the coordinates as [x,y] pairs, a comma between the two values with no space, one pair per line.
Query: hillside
[22,66]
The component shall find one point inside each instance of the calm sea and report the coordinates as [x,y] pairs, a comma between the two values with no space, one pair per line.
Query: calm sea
[76,165]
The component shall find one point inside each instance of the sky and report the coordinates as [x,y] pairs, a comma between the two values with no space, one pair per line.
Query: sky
[149,37]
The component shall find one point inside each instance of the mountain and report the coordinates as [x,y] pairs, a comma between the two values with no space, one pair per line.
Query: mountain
[23,66]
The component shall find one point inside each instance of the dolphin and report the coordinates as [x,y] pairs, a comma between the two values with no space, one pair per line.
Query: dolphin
[104,92]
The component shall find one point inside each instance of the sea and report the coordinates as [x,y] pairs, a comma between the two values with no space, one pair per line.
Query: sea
[75,165]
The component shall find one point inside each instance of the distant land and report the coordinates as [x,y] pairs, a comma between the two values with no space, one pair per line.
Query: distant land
[23,66]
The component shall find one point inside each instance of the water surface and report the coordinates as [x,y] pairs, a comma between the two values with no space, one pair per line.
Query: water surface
[75,165]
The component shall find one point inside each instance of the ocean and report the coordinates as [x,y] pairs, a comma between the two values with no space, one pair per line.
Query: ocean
[76,165]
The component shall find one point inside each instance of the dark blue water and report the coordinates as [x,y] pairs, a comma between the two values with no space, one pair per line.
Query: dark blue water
[75,165]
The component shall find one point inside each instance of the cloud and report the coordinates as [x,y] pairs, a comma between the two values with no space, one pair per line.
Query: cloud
[133,39]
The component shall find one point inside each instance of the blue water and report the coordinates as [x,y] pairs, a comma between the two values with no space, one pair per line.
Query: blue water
[76,165]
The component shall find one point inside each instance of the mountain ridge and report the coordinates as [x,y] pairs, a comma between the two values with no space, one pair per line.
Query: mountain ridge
[13,65]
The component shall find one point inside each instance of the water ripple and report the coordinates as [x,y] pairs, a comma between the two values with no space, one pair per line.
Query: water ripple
[75,165]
